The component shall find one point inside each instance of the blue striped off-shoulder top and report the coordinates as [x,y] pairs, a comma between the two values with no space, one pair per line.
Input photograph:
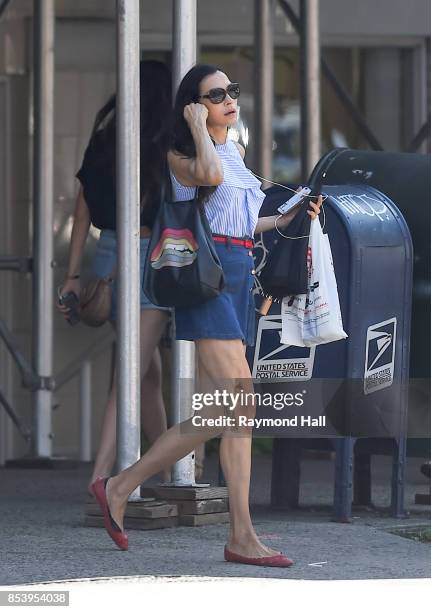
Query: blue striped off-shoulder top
[233,208]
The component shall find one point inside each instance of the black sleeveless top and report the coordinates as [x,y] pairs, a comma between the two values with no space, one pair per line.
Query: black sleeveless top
[97,177]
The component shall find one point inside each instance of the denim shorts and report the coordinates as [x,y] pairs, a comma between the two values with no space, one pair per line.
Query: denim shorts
[230,315]
[104,261]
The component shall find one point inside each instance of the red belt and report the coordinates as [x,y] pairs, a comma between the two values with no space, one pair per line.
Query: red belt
[248,244]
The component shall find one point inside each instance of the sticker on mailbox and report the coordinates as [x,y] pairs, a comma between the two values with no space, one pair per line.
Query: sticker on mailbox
[380,356]
[275,362]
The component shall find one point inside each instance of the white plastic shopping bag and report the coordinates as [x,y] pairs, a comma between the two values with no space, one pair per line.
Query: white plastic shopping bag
[292,319]
[314,318]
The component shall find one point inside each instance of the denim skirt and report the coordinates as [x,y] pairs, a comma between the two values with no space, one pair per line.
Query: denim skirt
[230,315]
[104,261]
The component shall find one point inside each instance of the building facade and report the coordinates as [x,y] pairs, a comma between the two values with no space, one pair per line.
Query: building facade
[380,52]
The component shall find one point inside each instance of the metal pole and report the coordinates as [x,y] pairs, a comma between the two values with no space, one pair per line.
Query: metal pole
[183,352]
[339,90]
[128,196]
[3,6]
[43,218]
[6,297]
[428,88]
[310,86]
[184,39]
[264,93]
[85,421]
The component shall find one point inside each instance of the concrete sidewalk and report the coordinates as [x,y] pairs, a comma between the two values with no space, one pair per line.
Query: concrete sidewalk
[43,538]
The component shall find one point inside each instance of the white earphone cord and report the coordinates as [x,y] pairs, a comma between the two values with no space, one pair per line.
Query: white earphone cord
[294,191]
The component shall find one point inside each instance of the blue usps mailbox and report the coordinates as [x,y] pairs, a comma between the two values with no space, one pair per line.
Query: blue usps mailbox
[357,387]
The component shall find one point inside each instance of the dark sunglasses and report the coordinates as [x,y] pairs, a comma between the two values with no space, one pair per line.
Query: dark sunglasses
[218,94]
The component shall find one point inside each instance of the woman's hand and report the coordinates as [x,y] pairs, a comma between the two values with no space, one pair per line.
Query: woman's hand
[195,114]
[206,167]
[314,211]
[70,286]
[81,225]
[315,206]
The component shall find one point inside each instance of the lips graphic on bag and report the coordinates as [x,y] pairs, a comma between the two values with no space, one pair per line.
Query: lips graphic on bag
[176,248]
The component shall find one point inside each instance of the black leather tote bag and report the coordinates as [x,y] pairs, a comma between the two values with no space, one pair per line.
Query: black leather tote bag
[182,267]
[285,272]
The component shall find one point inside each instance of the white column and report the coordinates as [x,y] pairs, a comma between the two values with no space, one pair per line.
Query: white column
[310,86]
[43,294]
[264,92]
[85,404]
[128,196]
[183,352]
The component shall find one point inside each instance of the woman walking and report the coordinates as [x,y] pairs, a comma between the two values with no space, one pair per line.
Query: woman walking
[96,204]
[202,156]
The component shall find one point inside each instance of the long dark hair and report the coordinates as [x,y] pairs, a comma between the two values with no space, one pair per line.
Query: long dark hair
[182,139]
[155,113]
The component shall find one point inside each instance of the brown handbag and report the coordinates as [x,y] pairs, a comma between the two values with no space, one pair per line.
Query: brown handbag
[95,300]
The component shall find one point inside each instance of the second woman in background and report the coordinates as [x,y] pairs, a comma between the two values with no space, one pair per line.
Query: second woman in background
[96,204]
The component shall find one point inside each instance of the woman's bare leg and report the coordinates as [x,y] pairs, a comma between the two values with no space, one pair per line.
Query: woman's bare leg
[105,457]
[106,451]
[223,360]
[202,383]
[153,411]
[235,459]
[153,414]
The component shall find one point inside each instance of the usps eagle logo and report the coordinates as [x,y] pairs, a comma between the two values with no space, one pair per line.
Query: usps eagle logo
[380,355]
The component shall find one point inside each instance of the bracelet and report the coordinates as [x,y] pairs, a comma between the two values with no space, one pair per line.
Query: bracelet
[75,276]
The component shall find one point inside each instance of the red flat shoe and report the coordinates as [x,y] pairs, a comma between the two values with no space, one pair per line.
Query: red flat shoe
[118,535]
[274,561]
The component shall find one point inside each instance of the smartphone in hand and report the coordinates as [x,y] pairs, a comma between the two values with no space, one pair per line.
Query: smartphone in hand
[295,200]
[71,301]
